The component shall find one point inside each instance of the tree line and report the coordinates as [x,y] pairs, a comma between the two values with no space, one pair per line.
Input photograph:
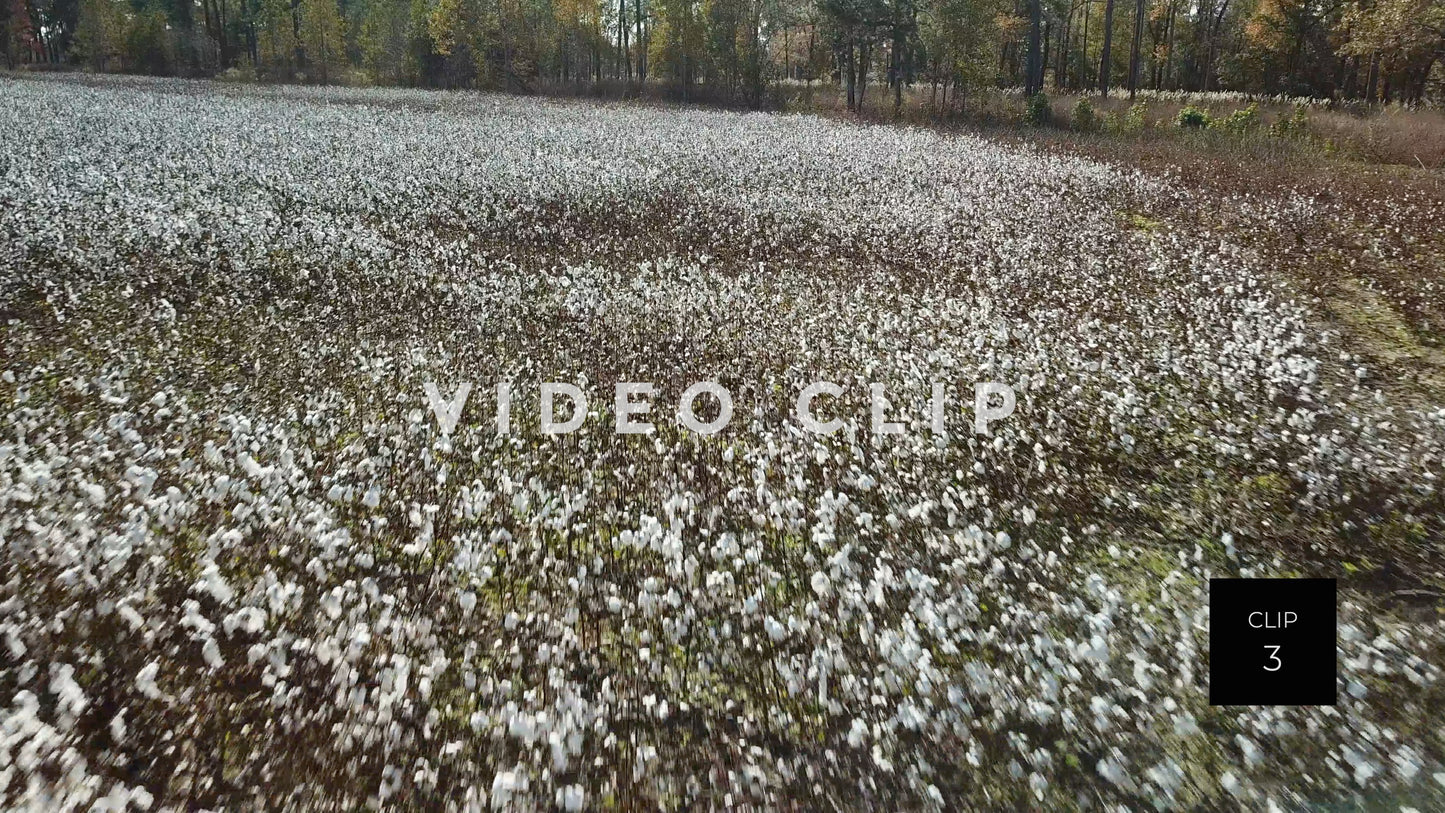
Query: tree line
[742,50]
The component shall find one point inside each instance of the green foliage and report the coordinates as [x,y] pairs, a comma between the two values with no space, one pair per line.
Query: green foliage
[322,38]
[382,39]
[1193,118]
[737,46]
[1134,117]
[101,33]
[1038,113]
[1131,120]
[147,46]
[1295,125]
[678,40]
[734,47]
[276,41]
[1244,120]
[960,38]
[1084,118]
[115,35]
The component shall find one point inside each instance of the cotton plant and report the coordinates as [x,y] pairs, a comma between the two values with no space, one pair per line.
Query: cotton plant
[244,565]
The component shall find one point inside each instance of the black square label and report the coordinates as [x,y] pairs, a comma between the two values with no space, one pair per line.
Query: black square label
[1272,642]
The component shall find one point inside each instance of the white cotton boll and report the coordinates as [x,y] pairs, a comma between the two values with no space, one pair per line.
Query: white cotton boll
[212,582]
[145,680]
[253,469]
[130,616]
[505,784]
[211,652]
[1185,725]
[572,798]
[70,697]
[1111,771]
[776,630]
[857,733]
[372,497]
[1002,541]
[1407,765]
[614,604]
[821,584]
[1038,785]
[143,478]
[249,620]
[523,727]
[1096,649]
[468,600]
[884,764]
[13,643]
[117,800]
[95,494]
[1252,755]
[1364,772]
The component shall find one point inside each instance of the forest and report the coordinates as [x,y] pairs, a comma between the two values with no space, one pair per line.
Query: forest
[745,51]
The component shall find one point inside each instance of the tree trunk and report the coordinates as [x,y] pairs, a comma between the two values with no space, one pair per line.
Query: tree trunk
[852,78]
[1169,47]
[1104,63]
[1031,65]
[895,69]
[1134,52]
[1371,82]
[787,56]
[1061,58]
[1044,58]
[624,67]
[641,24]
[1214,43]
[864,49]
[1422,77]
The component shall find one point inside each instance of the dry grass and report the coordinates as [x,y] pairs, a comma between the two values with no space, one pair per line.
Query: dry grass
[1394,135]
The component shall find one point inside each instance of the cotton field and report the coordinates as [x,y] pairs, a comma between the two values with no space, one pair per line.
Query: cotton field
[242,567]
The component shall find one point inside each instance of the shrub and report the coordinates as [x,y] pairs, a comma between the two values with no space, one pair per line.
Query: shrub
[1134,117]
[1038,113]
[1193,118]
[1129,121]
[1295,125]
[1084,116]
[1244,120]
